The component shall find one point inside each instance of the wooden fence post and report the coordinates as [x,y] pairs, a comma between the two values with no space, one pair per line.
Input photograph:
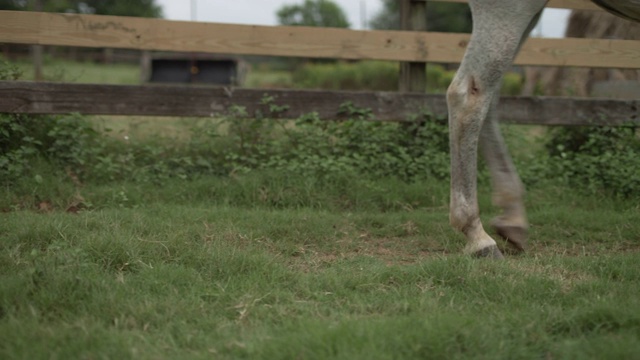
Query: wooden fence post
[145,66]
[413,16]
[36,50]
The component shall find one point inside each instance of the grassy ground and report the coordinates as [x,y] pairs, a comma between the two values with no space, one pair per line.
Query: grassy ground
[276,267]
[216,269]
[129,74]
[83,72]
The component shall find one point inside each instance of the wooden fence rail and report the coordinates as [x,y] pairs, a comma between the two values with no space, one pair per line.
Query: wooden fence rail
[163,35]
[57,98]
[406,46]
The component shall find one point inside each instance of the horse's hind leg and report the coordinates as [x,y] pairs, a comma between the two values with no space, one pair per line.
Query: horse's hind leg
[508,191]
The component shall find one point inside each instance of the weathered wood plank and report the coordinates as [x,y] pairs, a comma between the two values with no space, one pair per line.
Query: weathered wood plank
[164,35]
[560,4]
[580,52]
[58,98]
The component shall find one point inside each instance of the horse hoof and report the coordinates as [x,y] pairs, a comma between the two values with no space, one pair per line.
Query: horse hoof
[489,252]
[516,236]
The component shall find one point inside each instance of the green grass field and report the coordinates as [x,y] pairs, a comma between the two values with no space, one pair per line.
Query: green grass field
[83,72]
[129,74]
[270,265]
[212,269]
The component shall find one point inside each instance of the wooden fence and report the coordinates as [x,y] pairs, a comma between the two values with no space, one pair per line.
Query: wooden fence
[412,47]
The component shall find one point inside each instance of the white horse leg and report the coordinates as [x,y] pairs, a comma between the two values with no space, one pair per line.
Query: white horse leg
[498,28]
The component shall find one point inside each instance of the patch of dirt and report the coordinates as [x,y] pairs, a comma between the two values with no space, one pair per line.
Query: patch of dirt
[414,249]
[44,207]
[392,251]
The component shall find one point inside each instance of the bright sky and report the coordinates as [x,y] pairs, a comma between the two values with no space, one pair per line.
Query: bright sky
[263,12]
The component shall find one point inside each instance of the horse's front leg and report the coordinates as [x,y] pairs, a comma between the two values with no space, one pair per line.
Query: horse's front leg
[468,100]
[498,29]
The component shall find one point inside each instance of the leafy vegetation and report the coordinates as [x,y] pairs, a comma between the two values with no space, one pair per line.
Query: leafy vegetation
[605,160]
[140,8]
[597,158]
[307,147]
[441,17]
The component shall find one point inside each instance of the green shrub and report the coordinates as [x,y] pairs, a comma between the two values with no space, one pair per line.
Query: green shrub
[16,146]
[69,142]
[307,147]
[364,148]
[596,158]
[324,149]
[9,71]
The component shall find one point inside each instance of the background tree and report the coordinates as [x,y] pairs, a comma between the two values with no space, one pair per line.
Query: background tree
[139,8]
[441,17]
[322,13]
[12,4]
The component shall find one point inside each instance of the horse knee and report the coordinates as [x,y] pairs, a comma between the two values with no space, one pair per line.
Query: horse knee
[466,97]
[456,93]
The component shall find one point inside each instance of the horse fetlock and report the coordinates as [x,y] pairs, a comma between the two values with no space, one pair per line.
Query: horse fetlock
[463,219]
